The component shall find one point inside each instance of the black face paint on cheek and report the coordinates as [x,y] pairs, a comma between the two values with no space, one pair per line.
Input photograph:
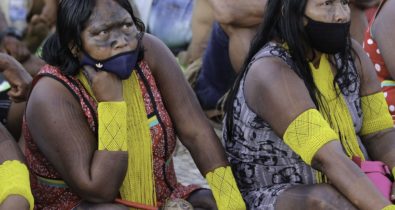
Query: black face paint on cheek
[111,17]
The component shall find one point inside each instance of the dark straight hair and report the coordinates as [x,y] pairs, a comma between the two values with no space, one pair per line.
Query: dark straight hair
[71,21]
[284,21]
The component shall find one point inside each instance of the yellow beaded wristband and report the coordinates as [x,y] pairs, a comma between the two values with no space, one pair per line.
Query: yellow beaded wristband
[225,190]
[376,116]
[308,133]
[112,126]
[389,207]
[14,180]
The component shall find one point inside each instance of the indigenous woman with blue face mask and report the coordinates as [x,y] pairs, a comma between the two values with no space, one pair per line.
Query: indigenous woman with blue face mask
[306,103]
[103,116]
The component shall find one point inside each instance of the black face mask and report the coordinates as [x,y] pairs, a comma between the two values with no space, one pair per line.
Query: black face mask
[330,38]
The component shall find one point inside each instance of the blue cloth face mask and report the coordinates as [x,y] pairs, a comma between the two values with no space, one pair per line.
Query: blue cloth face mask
[121,65]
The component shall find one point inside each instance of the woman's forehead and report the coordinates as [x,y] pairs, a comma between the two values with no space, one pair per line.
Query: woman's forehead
[108,11]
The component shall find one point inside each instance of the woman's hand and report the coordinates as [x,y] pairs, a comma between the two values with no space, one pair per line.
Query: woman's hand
[17,76]
[105,86]
[16,48]
[15,202]
[202,199]
[37,31]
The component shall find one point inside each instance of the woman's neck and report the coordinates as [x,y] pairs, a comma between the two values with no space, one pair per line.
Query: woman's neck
[315,57]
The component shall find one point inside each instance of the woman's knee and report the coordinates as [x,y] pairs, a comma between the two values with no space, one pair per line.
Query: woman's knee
[92,206]
[326,197]
[314,197]
[202,198]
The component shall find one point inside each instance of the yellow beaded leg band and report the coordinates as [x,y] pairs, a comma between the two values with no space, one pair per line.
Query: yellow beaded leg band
[225,190]
[389,207]
[376,116]
[14,180]
[112,126]
[308,133]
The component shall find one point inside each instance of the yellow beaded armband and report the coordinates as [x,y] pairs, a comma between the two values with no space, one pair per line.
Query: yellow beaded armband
[389,207]
[308,133]
[225,190]
[14,180]
[112,126]
[376,116]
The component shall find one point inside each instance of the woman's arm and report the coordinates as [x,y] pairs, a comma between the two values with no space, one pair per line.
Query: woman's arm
[9,151]
[17,76]
[381,144]
[191,124]
[279,96]
[61,131]
[238,13]
[383,31]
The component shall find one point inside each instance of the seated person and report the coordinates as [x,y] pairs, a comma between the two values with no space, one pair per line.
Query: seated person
[11,113]
[379,44]
[41,22]
[102,118]
[236,23]
[14,176]
[306,102]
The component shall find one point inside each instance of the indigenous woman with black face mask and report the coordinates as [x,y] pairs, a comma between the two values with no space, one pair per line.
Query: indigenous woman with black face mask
[102,119]
[306,103]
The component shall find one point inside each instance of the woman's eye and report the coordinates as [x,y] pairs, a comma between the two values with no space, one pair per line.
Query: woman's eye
[103,33]
[328,3]
[346,2]
[127,25]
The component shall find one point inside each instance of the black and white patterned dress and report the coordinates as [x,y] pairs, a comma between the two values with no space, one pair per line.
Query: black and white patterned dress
[263,165]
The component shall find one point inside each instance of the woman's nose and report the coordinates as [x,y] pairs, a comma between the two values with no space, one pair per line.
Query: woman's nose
[119,41]
[342,13]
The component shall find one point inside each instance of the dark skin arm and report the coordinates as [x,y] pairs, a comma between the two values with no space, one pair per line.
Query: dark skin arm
[239,19]
[359,22]
[239,44]
[202,20]
[9,150]
[189,120]
[383,32]
[61,131]
[381,145]
[238,13]
[20,81]
[17,76]
[271,88]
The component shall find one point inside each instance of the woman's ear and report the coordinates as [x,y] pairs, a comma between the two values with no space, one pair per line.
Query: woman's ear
[75,50]
[305,21]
